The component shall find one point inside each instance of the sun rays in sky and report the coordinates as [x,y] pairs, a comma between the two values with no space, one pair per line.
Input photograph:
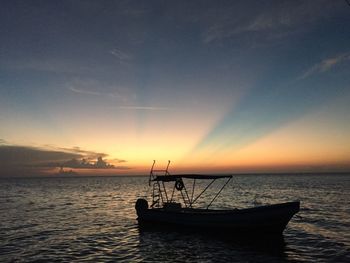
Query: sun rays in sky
[216,87]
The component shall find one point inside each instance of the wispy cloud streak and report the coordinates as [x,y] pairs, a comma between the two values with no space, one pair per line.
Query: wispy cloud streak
[144,108]
[325,65]
[87,92]
[76,88]
[267,20]
[121,55]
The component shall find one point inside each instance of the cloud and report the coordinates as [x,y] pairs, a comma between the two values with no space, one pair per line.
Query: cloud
[85,164]
[88,87]
[266,20]
[144,108]
[325,65]
[119,161]
[82,91]
[84,153]
[12,155]
[121,55]
[23,160]
[230,28]
[95,93]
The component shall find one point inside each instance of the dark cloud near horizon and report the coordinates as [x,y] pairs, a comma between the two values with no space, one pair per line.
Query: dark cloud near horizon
[85,164]
[85,153]
[26,156]
[23,159]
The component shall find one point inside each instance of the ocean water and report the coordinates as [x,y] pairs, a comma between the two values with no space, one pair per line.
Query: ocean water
[93,219]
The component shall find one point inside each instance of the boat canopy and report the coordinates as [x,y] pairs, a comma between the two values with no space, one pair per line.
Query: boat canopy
[159,192]
[172,178]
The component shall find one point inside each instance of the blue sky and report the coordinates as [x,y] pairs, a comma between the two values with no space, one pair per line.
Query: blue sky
[201,77]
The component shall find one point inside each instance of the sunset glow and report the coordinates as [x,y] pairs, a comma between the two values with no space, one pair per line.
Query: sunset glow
[213,94]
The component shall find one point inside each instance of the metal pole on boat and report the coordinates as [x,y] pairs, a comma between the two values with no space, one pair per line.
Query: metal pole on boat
[172,194]
[160,192]
[166,171]
[151,174]
[166,194]
[193,185]
[219,192]
[183,198]
[188,198]
[203,191]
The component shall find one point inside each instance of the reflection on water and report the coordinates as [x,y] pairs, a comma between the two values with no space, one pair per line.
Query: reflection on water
[93,219]
[170,246]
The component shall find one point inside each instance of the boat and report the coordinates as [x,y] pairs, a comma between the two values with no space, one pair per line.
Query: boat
[164,210]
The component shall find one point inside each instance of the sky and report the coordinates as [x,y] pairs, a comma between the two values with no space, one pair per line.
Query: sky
[213,86]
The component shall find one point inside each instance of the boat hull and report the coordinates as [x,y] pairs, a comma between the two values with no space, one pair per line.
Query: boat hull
[270,219]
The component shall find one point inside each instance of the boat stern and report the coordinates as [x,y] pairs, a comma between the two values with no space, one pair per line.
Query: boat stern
[141,206]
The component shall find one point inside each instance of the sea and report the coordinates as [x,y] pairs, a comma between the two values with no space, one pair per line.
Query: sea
[93,219]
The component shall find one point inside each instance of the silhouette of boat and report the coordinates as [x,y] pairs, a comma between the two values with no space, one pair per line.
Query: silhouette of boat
[164,211]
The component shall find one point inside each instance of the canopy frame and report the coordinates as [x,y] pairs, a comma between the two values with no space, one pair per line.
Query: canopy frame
[160,195]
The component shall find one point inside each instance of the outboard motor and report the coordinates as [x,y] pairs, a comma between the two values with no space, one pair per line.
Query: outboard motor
[141,206]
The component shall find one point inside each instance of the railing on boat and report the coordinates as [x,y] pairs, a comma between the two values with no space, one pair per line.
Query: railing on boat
[159,192]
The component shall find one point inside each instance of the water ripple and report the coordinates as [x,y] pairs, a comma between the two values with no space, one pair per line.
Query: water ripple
[93,219]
